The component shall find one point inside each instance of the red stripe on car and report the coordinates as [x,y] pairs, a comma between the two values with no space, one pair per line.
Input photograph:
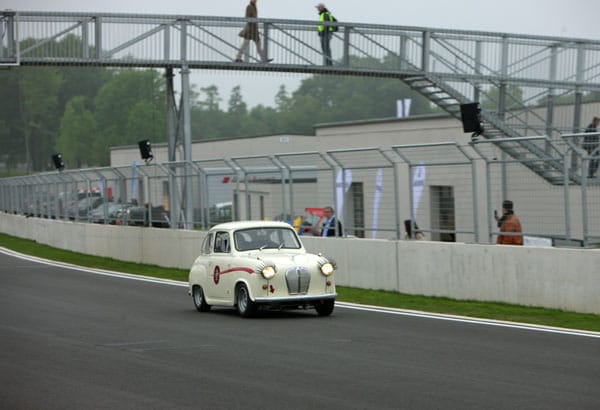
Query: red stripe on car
[238,268]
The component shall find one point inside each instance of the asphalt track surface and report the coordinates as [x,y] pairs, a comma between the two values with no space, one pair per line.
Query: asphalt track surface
[76,339]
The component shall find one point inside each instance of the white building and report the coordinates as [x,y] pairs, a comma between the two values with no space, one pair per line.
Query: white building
[453,205]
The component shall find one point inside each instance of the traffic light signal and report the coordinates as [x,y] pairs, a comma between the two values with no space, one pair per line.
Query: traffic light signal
[471,118]
[58,161]
[146,150]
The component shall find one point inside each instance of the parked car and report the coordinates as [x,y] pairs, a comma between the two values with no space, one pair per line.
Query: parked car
[258,264]
[39,205]
[84,207]
[221,212]
[108,212]
[68,201]
[158,217]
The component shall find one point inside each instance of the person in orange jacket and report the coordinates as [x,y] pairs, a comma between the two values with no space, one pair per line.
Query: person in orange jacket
[509,223]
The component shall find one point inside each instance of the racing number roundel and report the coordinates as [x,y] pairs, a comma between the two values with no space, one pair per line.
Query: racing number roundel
[216,274]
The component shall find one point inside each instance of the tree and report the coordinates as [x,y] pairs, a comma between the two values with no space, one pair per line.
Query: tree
[212,100]
[568,97]
[514,98]
[77,129]
[11,128]
[207,118]
[283,102]
[260,121]
[237,106]
[38,103]
[146,121]
[236,112]
[303,115]
[84,81]
[116,101]
[346,98]
[129,105]
[81,81]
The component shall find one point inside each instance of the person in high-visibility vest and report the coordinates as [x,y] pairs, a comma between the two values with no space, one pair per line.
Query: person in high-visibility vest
[325,32]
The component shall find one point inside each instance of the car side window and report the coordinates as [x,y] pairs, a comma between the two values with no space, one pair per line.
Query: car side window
[222,243]
[206,244]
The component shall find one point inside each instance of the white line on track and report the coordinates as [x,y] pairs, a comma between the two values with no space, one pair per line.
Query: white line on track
[345,305]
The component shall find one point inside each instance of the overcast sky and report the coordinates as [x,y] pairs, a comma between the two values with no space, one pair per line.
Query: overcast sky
[565,18]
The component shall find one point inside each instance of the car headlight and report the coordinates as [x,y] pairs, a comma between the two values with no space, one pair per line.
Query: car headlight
[327,268]
[268,272]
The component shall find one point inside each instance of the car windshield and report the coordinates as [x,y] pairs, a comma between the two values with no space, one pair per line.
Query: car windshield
[265,238]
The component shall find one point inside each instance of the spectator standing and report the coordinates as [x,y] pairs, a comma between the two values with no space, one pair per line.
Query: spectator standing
[331,226]
[325,32]
[250,32]
[590,144]
[408,228]
[509,223]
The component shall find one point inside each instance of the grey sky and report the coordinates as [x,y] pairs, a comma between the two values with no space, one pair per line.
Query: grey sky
[574,18]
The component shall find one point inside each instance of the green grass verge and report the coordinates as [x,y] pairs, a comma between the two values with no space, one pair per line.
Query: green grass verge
[487,310]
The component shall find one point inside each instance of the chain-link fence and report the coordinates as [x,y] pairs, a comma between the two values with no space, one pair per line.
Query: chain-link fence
[444,190]
[553,198]
[448,207]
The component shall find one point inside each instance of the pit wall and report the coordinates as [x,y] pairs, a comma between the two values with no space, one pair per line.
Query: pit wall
[561,278]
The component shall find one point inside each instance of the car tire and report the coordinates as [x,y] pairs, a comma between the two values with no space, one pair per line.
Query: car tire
[324,307]
[245,306]
[199,301]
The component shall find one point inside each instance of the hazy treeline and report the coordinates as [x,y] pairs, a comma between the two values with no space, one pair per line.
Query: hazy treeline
[82,111]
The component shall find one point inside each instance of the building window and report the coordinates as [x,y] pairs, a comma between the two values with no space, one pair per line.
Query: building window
[357,203]
[262,207]
[442,213]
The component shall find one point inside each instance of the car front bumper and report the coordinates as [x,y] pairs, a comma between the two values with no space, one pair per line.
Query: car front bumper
[300,299]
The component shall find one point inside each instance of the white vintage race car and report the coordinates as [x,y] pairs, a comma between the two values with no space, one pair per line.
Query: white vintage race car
[256,264]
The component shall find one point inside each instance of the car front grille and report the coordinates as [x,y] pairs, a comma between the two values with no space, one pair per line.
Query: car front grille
[298,280]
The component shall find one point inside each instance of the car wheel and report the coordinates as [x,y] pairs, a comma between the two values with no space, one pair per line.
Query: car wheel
[325,307]
[245,306]
[199,301]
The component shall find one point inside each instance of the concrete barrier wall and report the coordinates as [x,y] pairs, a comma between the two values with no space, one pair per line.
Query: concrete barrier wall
[560,278]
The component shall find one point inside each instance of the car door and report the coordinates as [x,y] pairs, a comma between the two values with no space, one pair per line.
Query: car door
[219,266]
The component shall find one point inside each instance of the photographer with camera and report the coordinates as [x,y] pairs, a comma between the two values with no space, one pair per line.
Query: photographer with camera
[510,224]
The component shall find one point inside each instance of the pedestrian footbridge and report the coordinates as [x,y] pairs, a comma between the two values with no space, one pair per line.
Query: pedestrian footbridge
[520,80]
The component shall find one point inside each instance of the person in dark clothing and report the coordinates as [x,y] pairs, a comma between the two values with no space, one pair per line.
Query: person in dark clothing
[250,33]
[325,32]
[419,235]
[590,144]
[331,226]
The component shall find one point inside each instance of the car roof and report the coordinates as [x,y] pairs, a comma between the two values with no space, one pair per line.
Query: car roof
[232,226]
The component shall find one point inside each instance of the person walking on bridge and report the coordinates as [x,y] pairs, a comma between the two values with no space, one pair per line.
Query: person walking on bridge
[325,32]
[250,32]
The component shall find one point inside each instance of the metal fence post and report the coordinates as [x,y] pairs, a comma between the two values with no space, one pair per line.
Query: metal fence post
[584,199]
[426,51]
[566,195]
